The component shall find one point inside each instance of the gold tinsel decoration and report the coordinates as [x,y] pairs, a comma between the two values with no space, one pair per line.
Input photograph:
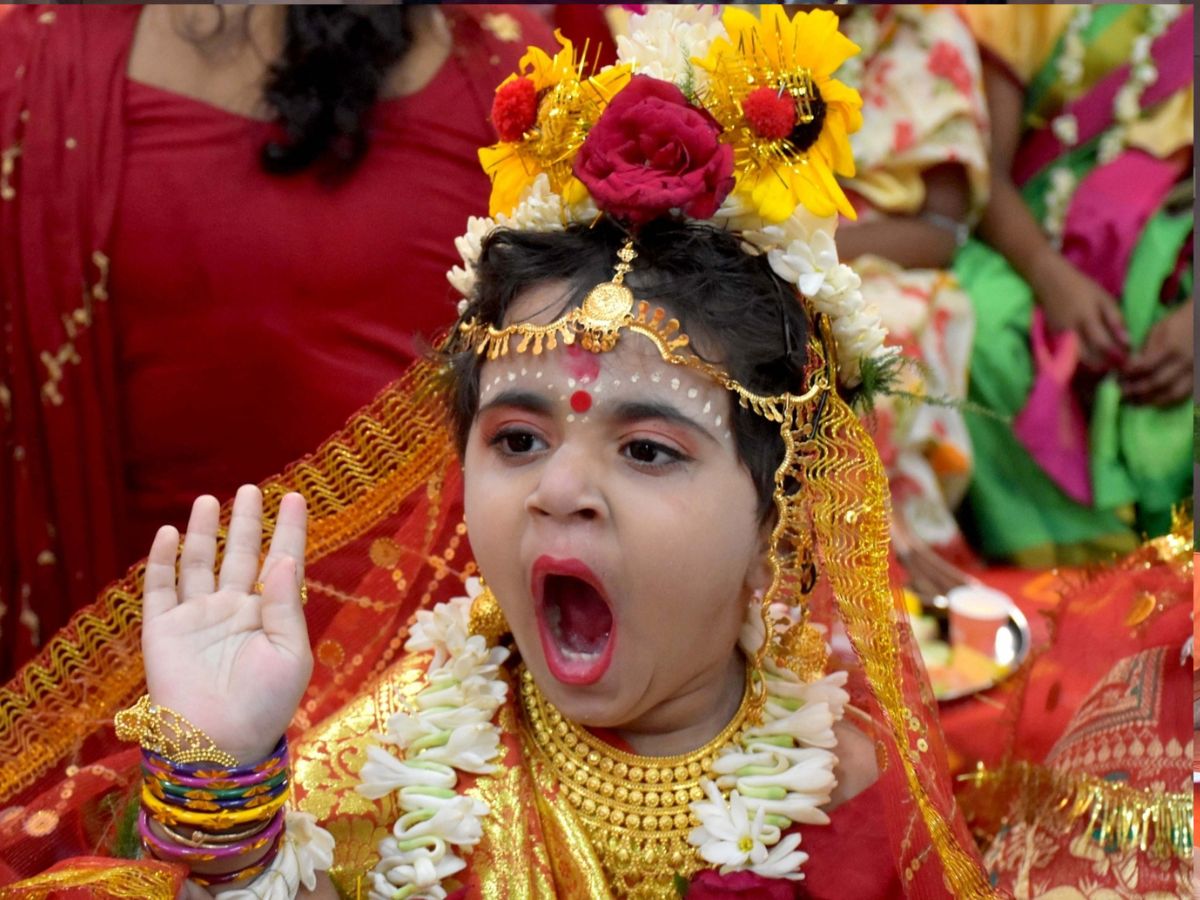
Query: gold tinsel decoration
[1118,816]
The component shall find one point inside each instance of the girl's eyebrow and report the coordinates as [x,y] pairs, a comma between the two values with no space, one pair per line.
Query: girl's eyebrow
[637,410]
[515,397]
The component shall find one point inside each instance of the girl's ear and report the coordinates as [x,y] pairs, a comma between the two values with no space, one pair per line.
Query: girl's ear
[759,576]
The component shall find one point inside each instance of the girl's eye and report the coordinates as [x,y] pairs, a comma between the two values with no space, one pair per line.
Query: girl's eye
[516,442]
[652,453]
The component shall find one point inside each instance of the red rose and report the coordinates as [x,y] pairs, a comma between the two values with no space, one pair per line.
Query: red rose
[711,885]
[651,152]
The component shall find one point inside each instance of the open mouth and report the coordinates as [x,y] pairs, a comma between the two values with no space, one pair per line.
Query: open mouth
[575,618]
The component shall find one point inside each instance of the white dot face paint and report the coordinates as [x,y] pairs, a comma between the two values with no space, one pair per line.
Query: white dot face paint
[629,381]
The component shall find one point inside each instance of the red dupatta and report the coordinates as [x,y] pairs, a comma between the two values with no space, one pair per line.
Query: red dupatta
[62,75]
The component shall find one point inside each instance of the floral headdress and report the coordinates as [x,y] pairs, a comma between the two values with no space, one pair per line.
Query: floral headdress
[731,119]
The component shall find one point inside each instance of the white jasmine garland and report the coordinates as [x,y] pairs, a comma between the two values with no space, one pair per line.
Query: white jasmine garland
[448,729]
[1127,103]
[780,773]
[540,209]
[1058,198]
[1066,129]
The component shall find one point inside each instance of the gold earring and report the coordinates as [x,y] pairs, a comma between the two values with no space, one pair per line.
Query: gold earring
[802,649]
[487,618]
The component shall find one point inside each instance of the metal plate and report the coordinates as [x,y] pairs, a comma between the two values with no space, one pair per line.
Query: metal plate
[1012,647]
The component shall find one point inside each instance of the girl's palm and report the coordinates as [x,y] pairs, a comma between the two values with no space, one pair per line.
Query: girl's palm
[231,660]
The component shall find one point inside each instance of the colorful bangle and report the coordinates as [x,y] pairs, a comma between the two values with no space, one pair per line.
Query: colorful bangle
[203,804]
[215,821]
[196,793]
[171,851]
[198,837]
[247,874]
[200,775]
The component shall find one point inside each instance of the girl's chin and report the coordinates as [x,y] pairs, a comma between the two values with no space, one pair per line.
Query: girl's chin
[596,705]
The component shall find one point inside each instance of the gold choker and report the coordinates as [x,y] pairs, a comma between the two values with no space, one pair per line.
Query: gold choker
[634,809]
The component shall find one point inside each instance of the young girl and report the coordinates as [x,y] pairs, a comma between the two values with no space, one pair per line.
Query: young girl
[672,509]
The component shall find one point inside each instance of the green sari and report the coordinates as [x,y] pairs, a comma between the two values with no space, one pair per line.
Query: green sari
[1140,457]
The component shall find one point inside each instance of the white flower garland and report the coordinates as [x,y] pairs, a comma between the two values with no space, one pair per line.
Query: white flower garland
[1127,104]
[450,730]
[780,773]
[661,44]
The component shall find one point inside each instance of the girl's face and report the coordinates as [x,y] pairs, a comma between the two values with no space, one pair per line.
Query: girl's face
[611,517]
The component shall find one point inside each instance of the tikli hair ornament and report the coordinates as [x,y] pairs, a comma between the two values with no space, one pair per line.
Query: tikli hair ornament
[725,119]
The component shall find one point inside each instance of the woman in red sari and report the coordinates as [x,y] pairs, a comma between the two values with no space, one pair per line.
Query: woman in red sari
[177,218]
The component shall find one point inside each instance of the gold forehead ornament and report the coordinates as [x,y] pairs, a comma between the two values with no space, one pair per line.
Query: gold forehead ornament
[610,309]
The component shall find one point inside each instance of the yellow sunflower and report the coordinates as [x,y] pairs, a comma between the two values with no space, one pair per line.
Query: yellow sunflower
[771,87]
[542,115]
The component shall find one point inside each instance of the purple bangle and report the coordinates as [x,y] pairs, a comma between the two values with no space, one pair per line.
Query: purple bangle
[167,850]
[199,777]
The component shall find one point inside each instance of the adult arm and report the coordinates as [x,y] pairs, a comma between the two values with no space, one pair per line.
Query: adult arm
[925,240]
[1069,299]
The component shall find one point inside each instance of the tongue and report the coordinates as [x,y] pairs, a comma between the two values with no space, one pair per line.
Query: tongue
[583,622]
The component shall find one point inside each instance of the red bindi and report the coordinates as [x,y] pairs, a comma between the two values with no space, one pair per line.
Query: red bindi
[581,401]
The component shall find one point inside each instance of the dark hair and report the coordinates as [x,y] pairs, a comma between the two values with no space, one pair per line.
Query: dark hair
[737,313]
[327,78]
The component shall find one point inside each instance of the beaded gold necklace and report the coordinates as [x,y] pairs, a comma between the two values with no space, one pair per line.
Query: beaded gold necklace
[634,809]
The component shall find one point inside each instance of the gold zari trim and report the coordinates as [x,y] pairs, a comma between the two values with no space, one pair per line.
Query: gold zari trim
[635,810]
[133,882]
[1117,816]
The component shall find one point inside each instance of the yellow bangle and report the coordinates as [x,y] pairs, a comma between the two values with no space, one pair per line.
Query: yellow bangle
[167,733]
[210,821]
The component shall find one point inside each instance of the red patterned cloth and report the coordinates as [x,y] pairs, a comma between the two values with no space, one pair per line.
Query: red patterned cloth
[1104,702]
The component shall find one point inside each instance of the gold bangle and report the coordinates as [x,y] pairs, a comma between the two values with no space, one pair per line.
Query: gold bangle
[168,734]
[203,840]
[218,821]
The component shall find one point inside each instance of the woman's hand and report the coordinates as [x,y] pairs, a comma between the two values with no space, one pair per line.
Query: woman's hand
[1160,373]
[232,662]
[1073,302]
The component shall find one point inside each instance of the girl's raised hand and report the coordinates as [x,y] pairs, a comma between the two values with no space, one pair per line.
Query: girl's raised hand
[231,660]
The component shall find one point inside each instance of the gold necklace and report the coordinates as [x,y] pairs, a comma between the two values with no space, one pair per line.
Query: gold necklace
[634,809]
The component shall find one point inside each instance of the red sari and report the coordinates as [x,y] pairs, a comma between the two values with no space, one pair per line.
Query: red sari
[175,320]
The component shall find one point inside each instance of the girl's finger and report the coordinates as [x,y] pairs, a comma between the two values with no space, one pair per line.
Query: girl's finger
[291,531]
[239,568]
[158,587]
[199,550]
[283,612]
